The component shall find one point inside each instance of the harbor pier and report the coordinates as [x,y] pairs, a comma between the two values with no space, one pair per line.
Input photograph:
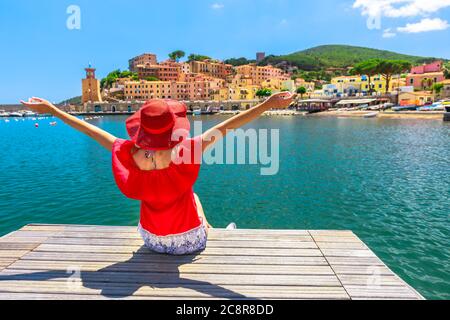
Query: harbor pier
[100,262]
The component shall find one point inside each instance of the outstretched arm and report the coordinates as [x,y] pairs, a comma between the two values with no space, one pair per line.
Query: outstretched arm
[44,107]
[279,100]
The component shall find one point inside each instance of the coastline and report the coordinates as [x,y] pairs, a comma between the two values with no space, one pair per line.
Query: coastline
[387,115]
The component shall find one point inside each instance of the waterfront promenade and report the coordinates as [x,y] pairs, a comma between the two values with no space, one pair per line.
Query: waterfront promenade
[101,262]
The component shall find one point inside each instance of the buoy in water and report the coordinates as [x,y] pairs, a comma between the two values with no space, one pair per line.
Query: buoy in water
[36,125]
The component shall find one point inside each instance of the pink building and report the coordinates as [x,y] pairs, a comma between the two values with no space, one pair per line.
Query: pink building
[423,77]
[427,68]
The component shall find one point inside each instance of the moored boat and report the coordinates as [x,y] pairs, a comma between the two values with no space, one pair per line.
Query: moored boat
[4,114]
[405,108]
[371,115]
[16,114]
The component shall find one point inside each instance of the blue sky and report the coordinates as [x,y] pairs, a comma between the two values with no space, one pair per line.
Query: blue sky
[40,56]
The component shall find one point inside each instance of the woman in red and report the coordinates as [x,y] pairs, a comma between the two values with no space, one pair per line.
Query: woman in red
[159,166]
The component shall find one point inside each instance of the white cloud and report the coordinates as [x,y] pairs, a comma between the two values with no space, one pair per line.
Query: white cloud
[425,25]
[400,8]
[217,6]
[387,33]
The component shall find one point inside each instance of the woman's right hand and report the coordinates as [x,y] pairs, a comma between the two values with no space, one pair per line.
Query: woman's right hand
[39,105]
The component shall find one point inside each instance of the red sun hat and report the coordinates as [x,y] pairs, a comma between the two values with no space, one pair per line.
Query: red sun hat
[159,125]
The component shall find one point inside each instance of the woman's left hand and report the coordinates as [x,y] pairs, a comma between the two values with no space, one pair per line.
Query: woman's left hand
[280,100]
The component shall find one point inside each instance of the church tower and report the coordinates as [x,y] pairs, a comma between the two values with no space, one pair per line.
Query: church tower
[91,87]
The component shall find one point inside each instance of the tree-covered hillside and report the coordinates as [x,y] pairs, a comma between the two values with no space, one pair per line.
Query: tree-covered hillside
[339,56]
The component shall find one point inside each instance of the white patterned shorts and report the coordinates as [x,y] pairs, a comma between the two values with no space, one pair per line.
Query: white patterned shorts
[178,244]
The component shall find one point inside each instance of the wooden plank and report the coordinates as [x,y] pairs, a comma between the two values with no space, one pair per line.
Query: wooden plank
[198,291]
[325,238]
[211,244]
[138,257]
[12,253]
[342,245]
[332,233]
[347,253]
[16,246]
[24,239]
[361,270]
[355,261]
[371,281]
[364,292]
[132,229]
[69,297]
[155,279]
[136,236]
[171,268]
[208,251]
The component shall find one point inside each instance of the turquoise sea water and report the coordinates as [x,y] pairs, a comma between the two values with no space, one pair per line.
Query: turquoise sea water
[387,180]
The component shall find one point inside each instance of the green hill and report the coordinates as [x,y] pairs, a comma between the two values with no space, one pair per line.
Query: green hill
[74,100]
[339,56]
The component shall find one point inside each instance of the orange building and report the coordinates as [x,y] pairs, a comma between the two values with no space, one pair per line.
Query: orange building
[261,73]
[196,87]
[211,68]
[143,59]
[90,87]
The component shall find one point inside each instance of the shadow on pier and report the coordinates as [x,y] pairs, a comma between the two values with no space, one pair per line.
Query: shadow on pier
[124,279]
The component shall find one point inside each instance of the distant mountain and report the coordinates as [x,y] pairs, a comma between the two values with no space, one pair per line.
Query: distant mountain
[75,101]
[339,56]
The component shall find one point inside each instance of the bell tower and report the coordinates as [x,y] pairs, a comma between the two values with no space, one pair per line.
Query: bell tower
[90,87]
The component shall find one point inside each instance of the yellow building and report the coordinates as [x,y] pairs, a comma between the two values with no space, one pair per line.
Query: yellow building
[359,84]
[243,93]
[309,86]
[90,87]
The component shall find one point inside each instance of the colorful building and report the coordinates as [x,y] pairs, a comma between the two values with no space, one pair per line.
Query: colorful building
[428,68]
[90,87]
[445,92]
[279,84]
[424,81]
[423,77]
[358,84]
[211,68]
[309,86]
[141,60]
[418,98]
[258,74]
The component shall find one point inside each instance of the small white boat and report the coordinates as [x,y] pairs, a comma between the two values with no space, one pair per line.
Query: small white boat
[29,113]
[16,114]
[371,115]
[197,112]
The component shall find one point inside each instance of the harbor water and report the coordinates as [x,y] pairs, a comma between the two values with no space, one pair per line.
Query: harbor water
[387,180]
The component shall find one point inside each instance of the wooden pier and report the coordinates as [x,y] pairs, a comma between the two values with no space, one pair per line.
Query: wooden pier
[99,262]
